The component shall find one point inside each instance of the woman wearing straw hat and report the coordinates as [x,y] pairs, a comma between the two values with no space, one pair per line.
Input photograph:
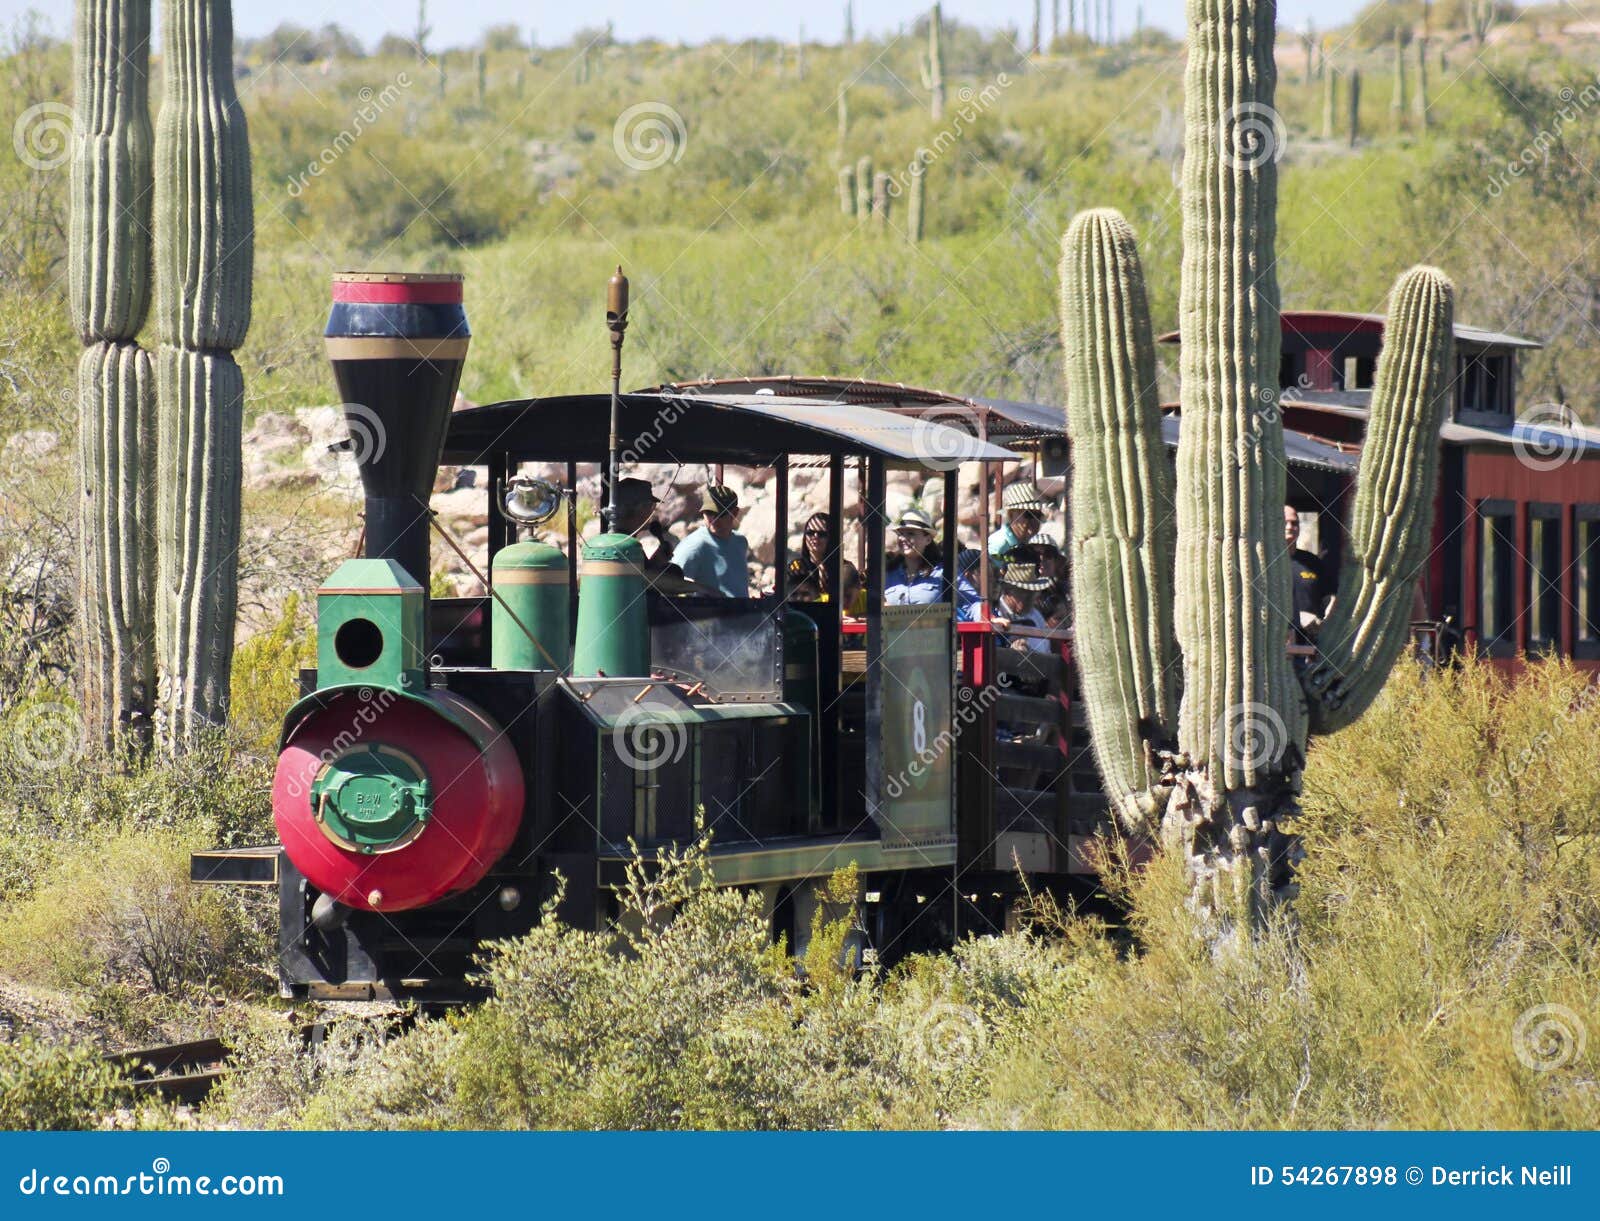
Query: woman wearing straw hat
[1025,509]
[918,578]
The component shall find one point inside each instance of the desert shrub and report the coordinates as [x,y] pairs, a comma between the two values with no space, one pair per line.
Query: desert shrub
[266,676]
[1443,969]
[117,916]
[50,1087]
[683,1015]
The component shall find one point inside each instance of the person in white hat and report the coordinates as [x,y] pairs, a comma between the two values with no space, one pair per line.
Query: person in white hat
[1025,509]
[917,578]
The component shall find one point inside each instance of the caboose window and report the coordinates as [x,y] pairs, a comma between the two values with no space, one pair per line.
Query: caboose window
[1484,384]
[1586,585]
[1544,578]
[1496,564]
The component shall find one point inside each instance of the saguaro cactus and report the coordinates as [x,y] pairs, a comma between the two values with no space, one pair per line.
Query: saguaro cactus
[109,277]
[1330,102]
[204,249]
[933,65]
[1354,103]
[880,201]
[916,201]
[847,190]
[1397,104]
[863,188]
[1224,785]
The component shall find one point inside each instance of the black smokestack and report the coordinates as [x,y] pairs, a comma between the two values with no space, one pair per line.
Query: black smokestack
[397,342]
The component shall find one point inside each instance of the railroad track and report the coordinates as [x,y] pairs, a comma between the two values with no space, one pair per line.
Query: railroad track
[178,1072]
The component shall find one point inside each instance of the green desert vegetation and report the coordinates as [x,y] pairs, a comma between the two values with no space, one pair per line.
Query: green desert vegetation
[1452,887]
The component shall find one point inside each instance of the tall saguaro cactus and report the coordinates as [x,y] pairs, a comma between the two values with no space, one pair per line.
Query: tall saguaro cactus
[109,276]
[204,250]
[933,66]
[1221,781]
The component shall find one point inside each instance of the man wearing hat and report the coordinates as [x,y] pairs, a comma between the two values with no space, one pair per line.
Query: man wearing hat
[1021,582]
[917,578]
[716,555]
[636,515]
[1025,509]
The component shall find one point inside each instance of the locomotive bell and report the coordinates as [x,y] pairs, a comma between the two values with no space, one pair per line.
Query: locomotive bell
[397,342]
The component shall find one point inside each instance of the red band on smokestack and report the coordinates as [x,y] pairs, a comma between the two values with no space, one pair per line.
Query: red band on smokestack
[366,292]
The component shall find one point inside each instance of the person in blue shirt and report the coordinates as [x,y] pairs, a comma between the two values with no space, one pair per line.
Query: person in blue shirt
[917,577]
[1025,508]
[716,555]
[1021,583]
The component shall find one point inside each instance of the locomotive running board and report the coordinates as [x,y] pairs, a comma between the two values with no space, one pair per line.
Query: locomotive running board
[256,866]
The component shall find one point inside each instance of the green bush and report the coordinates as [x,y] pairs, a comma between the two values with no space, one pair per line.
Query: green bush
[46,1087]
[1445,965]
[117,917]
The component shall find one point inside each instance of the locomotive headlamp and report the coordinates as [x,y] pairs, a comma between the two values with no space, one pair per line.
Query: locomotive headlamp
[529,501]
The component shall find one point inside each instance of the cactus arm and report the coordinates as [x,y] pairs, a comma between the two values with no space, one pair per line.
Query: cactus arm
[1232,586]
[109,249]
[1391,524]
[1123,531]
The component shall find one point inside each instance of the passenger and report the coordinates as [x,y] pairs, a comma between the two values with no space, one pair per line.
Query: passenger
[1312,596]
[716,555]
[1025,510]
[855,592]
[806,590]
[1053,604]
[1021,582]
[814,563]
[636,515]
[918,578]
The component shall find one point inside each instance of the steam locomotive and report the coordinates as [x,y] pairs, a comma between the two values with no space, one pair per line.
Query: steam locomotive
[449,756]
